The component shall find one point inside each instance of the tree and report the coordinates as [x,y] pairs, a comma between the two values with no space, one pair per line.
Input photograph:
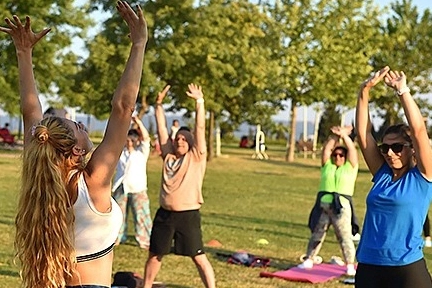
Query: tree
[320,53]
[67,21]
[329,118]
[96,78]
[221,46]
[406,46]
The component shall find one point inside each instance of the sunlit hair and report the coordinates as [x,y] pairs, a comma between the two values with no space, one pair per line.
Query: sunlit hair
[402,130]
[44,241]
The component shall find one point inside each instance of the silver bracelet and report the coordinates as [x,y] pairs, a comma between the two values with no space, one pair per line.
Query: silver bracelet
[199,100]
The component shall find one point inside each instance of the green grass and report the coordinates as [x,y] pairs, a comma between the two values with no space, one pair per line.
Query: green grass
[245,200]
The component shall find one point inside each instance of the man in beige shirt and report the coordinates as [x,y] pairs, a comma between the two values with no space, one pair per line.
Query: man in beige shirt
[178,217]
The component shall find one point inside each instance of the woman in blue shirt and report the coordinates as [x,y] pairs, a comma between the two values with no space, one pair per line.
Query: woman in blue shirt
[390,250]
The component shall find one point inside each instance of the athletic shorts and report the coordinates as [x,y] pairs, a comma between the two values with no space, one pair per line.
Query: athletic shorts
[184,227]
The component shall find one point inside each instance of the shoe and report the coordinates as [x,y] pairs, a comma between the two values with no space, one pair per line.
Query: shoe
[337,261]
[428,243]
[307,264]
[351,271]
[316,260]
[356,237]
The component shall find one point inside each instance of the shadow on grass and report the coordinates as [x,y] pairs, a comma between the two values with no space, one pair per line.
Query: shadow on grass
[7,221]
[252,221]
[288,164]
[5,272]
[364,171]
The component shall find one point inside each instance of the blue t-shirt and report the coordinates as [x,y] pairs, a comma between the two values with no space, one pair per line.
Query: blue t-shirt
[396,211]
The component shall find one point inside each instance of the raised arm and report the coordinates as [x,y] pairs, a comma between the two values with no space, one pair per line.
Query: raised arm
[328,148]
[142,131]
[162,129]
[102,164]
[343,133]
[24,40]
[195,92]
[368,145]
[419,136]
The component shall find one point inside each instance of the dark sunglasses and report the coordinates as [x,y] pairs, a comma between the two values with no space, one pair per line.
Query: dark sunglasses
[395,147]
[338,155]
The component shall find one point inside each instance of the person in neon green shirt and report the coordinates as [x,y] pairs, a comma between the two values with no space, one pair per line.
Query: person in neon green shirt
[333,205]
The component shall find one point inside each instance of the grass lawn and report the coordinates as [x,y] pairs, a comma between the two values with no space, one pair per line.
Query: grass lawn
[245,200]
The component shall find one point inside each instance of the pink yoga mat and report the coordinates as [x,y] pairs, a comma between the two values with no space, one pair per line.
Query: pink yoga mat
[318,274]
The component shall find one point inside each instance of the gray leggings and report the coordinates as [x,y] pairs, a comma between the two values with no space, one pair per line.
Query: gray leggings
[342,226]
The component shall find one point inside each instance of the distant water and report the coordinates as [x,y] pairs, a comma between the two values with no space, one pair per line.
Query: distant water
[96,125]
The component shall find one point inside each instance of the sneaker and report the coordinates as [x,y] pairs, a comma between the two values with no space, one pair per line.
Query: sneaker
[316,260]
[337,261]
[356,237]
[307,264]
[351,271]
[428,243]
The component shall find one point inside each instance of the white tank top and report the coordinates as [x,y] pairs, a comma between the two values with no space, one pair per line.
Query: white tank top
[95,232]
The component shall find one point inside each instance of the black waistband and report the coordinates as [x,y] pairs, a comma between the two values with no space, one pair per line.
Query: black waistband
[96,255]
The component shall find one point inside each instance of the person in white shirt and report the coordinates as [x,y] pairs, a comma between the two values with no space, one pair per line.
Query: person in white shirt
[174,129]
[130,185]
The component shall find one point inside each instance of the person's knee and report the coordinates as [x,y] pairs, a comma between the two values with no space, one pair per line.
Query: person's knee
[201,260]
[154,258]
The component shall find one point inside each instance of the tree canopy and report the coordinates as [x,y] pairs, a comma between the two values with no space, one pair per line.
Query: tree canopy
[250,57]
[52,60]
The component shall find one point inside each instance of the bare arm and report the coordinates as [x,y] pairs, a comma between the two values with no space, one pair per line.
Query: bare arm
[142,131]
[195,92]
[397,81]
[24,40]
[368,145]
[328,148]
[102,164]
[343,133]
[162,130]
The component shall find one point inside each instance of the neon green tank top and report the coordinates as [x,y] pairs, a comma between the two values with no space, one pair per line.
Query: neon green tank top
[340,180]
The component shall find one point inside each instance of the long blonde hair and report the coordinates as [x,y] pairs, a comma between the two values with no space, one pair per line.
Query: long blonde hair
[44,241]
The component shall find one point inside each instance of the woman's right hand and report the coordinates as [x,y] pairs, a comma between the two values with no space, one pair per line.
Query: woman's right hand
[22,35]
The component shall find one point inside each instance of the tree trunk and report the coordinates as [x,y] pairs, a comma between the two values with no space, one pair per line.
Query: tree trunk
[144,107]
[316,127]
[210,142]
[289,156]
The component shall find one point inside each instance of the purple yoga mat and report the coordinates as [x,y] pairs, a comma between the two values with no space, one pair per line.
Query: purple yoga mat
[318,274]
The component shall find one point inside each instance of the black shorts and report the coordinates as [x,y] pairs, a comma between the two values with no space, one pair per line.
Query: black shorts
[184,227]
